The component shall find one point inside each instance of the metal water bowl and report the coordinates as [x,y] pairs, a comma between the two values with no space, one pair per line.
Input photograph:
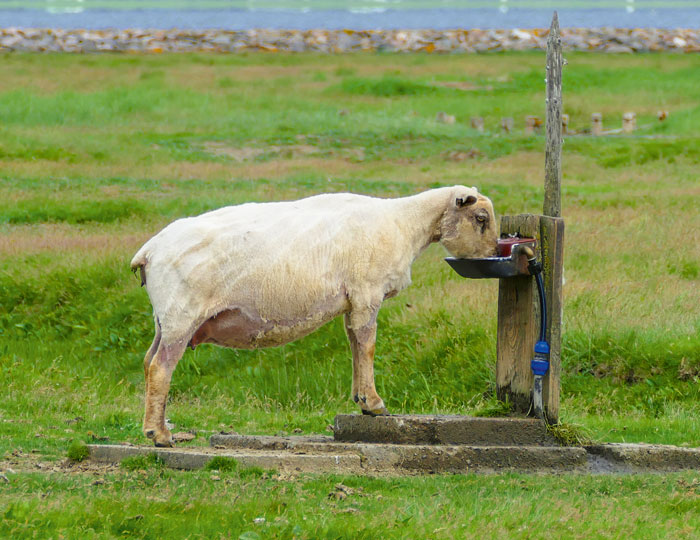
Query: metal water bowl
[511,261]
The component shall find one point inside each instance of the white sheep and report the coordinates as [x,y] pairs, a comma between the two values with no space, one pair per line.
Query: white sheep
[265,274]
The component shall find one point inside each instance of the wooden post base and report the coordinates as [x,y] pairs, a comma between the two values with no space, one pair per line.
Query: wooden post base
[518,318]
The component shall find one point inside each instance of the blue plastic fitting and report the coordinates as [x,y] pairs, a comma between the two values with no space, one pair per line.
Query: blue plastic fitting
[540,363]
[542,347]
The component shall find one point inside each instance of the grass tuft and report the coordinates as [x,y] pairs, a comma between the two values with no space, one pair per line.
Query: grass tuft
[222,464]
[493,408]
[78,451]
[255,472]
[389,86]
[142,462]
[568,434]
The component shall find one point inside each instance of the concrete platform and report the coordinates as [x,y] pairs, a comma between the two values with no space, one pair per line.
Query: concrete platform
[441,429]
[198,457]
[627,457]
[311,454]
[293,455]
[418,444]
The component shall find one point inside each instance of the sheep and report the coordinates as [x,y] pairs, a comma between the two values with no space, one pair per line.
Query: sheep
[265,274]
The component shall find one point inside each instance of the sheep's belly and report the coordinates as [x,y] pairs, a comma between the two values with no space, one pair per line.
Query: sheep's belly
[238,329]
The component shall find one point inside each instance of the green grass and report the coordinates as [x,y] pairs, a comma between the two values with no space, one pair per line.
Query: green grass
[78,451]
[142,462]
[100,152]
[155,504]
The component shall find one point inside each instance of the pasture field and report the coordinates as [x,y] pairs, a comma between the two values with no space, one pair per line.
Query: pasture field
[99,152]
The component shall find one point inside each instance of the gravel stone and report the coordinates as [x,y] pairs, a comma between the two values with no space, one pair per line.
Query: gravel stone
[614,40]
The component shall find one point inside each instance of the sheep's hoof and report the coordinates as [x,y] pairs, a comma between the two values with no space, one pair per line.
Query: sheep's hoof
[162,439]
[164,444]
[376,412]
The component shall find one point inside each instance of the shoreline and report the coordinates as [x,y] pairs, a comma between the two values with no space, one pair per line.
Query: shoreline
[611,40]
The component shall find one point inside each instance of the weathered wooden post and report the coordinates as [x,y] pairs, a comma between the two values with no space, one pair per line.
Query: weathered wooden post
[477,123]
[517,306]
[507,124]
[597,124]
[564,124]
[532,125]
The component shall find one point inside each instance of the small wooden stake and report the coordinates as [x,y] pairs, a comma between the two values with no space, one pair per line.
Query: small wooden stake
[564,124]
[629,122]
[477,123]
[597,124]
[444,118]
[532,125]
[507,124]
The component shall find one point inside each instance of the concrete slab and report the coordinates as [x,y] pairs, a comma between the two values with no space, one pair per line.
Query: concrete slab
[431,459]
[318,454]
[360,458]
[197,458]
[418,458]
[626,457]
[295,443]
[441,429]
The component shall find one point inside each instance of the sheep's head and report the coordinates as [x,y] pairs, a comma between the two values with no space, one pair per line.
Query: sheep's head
[468,228]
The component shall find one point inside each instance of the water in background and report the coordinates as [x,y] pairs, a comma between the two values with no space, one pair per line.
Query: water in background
[353,14]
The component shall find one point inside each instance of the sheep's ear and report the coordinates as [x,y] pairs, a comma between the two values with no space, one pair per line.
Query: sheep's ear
[466,201]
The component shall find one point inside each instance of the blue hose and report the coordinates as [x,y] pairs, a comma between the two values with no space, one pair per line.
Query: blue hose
[543,307]
[540,362]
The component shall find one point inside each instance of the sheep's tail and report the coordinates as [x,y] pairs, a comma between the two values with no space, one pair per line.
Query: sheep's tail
[139,263]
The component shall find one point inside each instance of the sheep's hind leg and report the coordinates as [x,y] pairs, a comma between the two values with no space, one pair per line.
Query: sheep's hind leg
[362,343]
[151,353]
[160,371]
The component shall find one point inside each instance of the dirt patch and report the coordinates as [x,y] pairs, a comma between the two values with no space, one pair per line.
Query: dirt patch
[462,155]
[293,151]
[18,461]
[50,238]
[464,86]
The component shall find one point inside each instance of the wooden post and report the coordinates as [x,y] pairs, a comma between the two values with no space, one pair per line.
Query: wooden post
[507,124]
[532,125]
[552,153]
[629,122]
[517,324]
[597,124]
[551,225]
[564,124]
[552,253]
[518,307]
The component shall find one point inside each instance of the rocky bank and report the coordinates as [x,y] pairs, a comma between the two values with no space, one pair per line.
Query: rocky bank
[614,40]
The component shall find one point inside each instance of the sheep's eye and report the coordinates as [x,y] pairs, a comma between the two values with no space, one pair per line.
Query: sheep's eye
[481,219]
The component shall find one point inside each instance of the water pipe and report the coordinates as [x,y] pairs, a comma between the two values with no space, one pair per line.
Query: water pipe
[540,362]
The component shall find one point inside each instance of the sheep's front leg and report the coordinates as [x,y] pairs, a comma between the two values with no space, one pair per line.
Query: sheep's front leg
[159,373]
[362,343]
